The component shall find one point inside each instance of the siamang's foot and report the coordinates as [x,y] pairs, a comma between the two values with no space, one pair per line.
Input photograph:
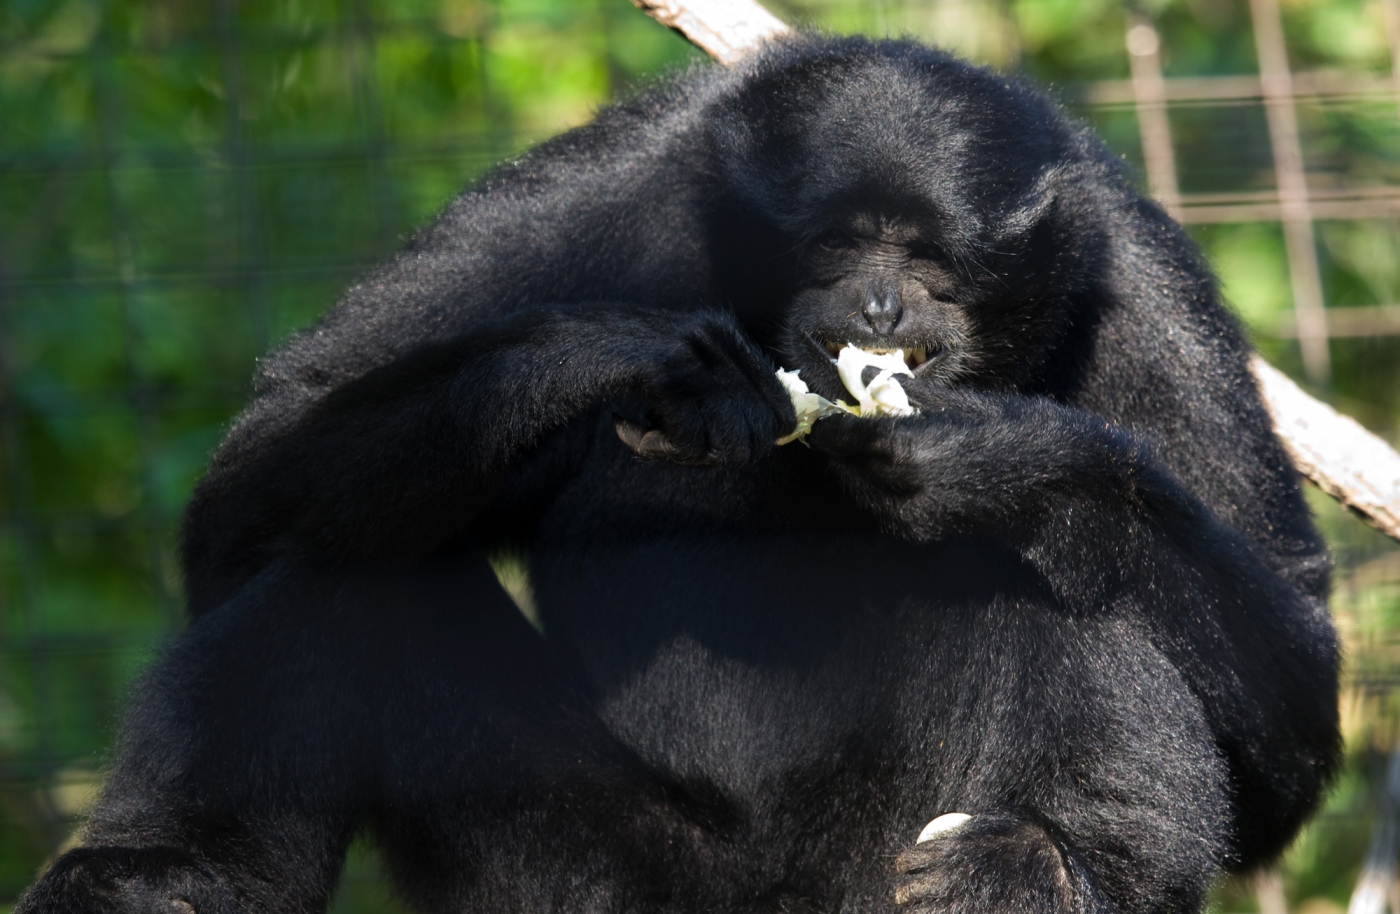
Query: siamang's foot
[123,880]
[992,862]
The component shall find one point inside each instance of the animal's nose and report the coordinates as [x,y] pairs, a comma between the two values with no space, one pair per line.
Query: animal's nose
[882,309]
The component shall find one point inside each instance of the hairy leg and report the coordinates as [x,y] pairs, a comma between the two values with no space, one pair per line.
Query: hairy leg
[1085,762]
[282,721]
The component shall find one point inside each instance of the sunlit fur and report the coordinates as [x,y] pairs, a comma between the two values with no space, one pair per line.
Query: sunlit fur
[1078,596]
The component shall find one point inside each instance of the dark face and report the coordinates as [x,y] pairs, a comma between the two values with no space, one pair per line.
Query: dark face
[983,313]
[880,283]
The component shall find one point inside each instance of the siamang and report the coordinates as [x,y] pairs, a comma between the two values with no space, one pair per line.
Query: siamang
[1077,597]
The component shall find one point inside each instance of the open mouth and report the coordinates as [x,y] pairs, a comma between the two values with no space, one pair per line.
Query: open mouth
[914,357]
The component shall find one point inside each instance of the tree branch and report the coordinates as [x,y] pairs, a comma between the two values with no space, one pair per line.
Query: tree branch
[724,29]
[1334,451]
[1347,462]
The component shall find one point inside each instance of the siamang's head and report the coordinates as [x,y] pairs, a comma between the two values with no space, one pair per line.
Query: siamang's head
[893,197]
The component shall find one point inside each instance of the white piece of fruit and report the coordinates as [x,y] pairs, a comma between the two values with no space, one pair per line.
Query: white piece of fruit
[944,823]
[883,396]
[810,407]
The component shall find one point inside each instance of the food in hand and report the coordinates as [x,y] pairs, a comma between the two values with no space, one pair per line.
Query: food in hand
[882,396]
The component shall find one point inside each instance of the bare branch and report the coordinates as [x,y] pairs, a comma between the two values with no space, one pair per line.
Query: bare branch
[724,29]
[1334,451]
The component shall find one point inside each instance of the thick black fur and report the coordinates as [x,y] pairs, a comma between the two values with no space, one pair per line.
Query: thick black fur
[1078,597]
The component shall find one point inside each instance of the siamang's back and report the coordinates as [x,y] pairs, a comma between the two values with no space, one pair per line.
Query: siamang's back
[1075,597]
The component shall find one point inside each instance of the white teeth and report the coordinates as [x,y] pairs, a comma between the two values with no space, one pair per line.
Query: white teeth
[913,356]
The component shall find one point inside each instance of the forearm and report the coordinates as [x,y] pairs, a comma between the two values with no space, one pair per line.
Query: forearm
[1016,468]
[1112,532]
[392,464]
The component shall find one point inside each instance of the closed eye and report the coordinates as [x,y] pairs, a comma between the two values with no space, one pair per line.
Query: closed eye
[834,240]
[928,252]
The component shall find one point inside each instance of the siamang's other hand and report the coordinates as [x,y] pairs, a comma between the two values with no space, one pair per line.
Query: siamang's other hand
[893,450]
[121,880]
[712,396]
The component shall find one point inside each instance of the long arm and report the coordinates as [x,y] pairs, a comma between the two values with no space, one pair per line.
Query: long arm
[1070,491]
[393,464]
[358,424]
[1167,361]
[1217,535]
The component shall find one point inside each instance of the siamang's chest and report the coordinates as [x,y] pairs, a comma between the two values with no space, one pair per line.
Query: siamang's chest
[701,590]
[733,658]
[744,660]
[711,610]
[745,622]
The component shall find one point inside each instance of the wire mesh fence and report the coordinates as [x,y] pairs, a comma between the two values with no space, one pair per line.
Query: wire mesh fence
[182,184]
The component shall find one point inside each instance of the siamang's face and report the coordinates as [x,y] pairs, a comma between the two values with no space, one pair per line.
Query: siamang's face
[979,315]
[910,203]
[880,283]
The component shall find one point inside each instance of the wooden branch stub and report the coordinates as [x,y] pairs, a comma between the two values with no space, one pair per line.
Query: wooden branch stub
[1345,460]
[724,29]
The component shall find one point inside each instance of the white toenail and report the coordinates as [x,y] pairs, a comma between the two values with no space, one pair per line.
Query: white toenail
[946,822]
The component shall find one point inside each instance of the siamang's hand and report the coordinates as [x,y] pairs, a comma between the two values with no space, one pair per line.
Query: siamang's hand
[121,880]
[712,396]
[917,472]
[884,451]
[889,452]
[991,462]
[892,453]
